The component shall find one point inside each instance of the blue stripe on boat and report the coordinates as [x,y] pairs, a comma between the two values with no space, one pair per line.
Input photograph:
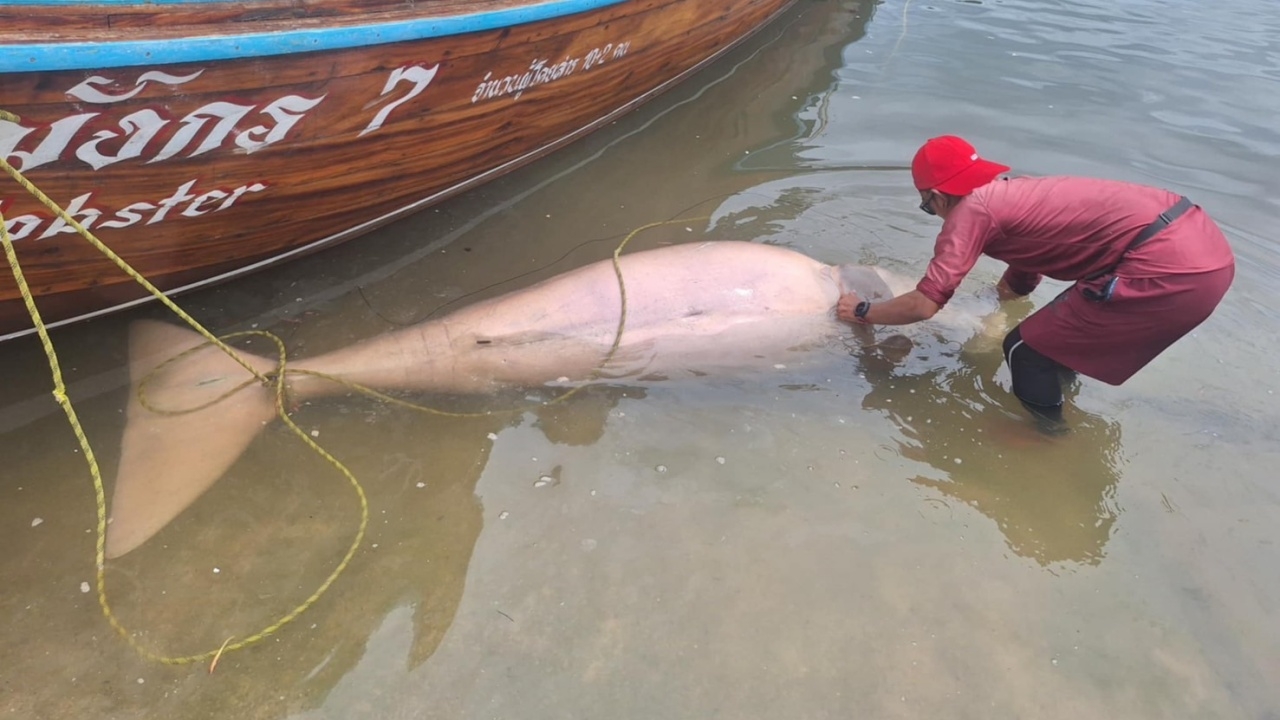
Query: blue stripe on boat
[34,57]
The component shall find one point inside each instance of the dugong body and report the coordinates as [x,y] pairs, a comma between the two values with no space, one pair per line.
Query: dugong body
[696,307]
[689,310]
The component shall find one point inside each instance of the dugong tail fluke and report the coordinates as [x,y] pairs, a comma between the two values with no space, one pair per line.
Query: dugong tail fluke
[168,459]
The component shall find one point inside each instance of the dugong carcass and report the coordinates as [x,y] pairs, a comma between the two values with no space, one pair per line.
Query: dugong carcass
[698,308]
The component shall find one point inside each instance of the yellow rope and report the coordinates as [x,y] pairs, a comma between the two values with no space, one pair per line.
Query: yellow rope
[60,394]
[276,380]
[120,263]
[905,7]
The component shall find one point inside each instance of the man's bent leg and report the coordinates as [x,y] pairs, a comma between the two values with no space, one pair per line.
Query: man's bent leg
[1037,380]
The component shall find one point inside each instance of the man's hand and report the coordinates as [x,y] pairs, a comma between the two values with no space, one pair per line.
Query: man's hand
[845,308]
[1004,292]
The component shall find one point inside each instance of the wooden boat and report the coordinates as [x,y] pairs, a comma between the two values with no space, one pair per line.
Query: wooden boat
[202,140]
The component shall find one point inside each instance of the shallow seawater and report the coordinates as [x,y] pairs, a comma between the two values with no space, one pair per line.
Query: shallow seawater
[863,533]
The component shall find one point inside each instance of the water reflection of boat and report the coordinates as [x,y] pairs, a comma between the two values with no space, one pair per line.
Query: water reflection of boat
[204,140]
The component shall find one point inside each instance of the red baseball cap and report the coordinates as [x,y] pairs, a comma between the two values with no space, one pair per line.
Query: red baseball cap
[949,164]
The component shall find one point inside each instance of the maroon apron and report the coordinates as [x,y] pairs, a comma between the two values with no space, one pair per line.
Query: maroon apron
[1110,327]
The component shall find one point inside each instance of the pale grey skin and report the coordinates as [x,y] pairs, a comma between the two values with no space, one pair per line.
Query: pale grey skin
[692,309]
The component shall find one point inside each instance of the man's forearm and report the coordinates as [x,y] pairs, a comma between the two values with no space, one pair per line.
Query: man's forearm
[1017,283]
[903,310]
[1004,292]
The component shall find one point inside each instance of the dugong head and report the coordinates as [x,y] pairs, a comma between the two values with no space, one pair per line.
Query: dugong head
[870,282]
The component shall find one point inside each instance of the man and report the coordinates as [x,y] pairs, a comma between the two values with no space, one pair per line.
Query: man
[1148,267]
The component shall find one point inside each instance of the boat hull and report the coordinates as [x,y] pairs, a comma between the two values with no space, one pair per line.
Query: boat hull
[198,171]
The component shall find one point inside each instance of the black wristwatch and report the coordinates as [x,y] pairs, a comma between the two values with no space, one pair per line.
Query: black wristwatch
[860,311]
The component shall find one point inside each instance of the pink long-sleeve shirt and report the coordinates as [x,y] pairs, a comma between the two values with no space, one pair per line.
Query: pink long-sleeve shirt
[1069,228]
